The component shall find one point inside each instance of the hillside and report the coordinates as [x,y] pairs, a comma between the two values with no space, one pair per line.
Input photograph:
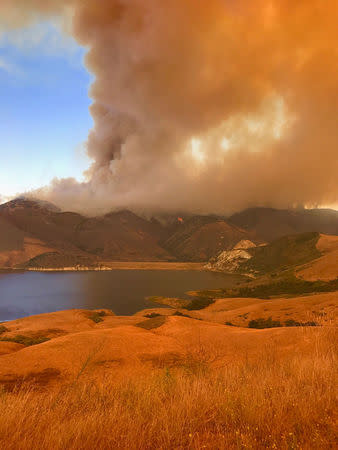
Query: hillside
[37,234]
[90,379]
[270,224]
[71,237]
[326,266]
[280,255]
[202,237]
[283,253]
[17,246]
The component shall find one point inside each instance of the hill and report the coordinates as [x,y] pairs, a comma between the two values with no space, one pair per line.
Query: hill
[70,237]
[326,266]
[165,382]
[282,254]
[37,234]
[201,237]
[270,224]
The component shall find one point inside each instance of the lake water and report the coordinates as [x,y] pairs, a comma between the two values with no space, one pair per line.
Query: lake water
[123,291]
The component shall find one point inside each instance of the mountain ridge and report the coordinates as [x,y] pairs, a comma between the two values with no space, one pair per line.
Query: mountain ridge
[38,232]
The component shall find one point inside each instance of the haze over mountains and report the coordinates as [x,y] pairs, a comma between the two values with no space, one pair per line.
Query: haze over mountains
[38,234]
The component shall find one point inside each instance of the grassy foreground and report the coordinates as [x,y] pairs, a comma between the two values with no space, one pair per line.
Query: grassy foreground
[283,401]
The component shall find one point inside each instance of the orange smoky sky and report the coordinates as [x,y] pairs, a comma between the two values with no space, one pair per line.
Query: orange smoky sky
[203,105]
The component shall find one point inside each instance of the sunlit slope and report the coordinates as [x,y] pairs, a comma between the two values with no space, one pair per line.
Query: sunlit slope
[326,267]
[316,308]
[60,347]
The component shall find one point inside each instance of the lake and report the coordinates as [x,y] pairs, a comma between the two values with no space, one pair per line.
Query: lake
[123,291]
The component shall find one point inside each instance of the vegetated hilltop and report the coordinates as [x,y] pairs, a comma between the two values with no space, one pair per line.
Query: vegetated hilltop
[269,224]
[282,254]
[36,234]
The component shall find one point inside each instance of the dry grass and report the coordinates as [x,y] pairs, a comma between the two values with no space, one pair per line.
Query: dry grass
[283,402]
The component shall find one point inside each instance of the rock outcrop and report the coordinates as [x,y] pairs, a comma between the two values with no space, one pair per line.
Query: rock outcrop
[231,260]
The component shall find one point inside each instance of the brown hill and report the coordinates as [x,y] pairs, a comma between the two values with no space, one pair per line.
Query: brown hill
[121,236]
[17,246]
[68,238]
[202,237]
[270,224]
[39,234]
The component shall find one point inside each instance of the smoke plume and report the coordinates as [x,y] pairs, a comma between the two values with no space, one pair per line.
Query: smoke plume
[203,106]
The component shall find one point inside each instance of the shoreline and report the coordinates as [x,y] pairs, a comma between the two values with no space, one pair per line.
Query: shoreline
[115,265]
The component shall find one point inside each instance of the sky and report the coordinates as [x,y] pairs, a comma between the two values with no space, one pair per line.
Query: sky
[44,117]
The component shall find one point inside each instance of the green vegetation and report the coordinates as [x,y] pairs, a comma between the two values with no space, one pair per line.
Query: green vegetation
[294,323]
[97,316]
[169,301]
[283,253]
[151,324]
[25,340]
[285,286]
[199,303]
[178,313]
[264,323]
[269,323]
[152,315]
[3,329]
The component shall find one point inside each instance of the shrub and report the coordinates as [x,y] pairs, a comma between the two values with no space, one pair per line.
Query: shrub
[178,313]
[25,340]
[199,303]
[264,323]
[152,315]
[230,324]
[97,316]
[293,323]
[3,329]
[151,324]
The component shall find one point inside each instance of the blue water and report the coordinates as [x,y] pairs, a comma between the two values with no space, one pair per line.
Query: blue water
[123,291]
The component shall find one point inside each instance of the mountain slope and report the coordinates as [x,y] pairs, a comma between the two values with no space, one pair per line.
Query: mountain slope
[70,236]
[202,237]
[326,266]
[121,235]
[269,224]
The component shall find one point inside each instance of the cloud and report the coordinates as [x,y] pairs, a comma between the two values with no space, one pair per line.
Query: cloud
[260,75]
[9,67]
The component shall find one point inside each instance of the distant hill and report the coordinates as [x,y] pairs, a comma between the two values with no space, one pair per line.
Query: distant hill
[115,236]
[269,224]
[283,253]
[201,237]
[121,236]
[34,232]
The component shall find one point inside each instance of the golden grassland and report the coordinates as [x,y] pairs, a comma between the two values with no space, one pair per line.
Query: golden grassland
[283,400]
